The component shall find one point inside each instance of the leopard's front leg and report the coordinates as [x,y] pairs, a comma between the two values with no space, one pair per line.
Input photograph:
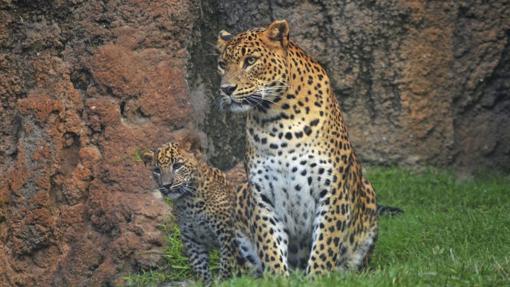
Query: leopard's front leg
[226,238]
[270,235]
[198,258]
[330,230]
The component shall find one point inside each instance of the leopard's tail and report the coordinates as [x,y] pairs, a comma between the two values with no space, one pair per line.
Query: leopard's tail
[383,210]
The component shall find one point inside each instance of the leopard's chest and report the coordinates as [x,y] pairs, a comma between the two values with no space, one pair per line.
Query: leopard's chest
[293,181]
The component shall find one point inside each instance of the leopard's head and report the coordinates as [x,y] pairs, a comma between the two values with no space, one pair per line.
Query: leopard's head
[174,169]
[253,66]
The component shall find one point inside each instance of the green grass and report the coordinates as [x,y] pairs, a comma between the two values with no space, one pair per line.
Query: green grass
[451,234]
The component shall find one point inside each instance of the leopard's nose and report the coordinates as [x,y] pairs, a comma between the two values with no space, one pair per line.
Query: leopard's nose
[228,89]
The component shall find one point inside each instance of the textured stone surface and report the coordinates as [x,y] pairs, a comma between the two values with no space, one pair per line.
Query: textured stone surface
[85,85]
[420,82]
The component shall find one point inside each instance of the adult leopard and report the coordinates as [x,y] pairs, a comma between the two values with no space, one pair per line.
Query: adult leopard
[315,209]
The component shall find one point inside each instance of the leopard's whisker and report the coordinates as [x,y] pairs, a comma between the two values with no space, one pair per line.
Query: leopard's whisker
[252,100]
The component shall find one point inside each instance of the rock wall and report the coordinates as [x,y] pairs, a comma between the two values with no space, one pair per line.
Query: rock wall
[85,85]
[420,82]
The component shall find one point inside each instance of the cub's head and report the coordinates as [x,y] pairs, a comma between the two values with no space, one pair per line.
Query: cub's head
[253,66]
[174,169]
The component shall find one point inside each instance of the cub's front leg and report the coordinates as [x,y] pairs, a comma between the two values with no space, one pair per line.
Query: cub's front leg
[198,257]
[246,251]
[226,237]
[246,254]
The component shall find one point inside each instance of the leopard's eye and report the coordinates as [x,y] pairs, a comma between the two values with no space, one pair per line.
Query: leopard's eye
[222,65]
[177,165]
[249,61]
[156,173]
[157,170]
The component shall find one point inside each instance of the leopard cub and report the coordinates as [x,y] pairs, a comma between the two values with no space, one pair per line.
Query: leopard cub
[206,207]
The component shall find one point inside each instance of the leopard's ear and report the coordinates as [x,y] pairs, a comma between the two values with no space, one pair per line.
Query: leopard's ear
[277,33]
[223,38]
[148,157]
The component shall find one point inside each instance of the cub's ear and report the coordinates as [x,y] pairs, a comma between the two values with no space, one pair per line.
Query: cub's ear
[148,157]
[278,33]
[192,142]
[223,38]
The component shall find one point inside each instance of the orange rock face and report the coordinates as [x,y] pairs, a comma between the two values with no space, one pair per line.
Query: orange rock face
[87,89]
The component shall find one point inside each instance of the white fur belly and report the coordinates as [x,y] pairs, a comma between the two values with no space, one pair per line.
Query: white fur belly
[291,183]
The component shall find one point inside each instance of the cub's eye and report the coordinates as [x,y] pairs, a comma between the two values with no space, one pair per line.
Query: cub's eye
[177,165]
[157,170]
[249,61]
[222,65]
